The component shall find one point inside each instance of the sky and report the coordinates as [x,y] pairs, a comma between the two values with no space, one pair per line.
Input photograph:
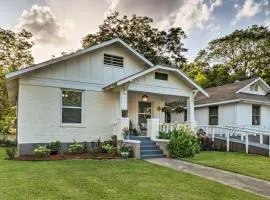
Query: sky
[59,25]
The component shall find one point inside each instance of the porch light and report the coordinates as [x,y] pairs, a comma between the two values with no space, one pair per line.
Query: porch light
[144,98]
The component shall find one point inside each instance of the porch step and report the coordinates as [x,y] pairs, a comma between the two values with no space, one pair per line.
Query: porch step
[152,156]
[149,149]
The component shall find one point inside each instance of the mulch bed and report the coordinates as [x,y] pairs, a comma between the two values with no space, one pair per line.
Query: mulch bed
[68,156]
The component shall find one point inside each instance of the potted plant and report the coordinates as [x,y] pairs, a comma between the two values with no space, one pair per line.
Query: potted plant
[125,150]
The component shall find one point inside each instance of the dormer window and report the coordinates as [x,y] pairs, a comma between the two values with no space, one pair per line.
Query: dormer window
[112,60]
[254,88]
[161,76]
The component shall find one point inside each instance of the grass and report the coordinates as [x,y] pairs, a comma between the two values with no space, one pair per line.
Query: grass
[101,179]
[247,164]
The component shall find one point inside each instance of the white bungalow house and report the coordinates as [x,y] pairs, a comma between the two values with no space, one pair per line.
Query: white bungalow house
[240,104]
[93,93]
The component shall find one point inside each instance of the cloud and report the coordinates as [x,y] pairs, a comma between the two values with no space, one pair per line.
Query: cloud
[42,23]
[192,14]
[250,8]
[267,22]
[112,6]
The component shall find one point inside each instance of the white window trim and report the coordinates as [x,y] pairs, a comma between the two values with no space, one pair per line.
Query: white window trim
[209,116]
[144,113]
[76,125]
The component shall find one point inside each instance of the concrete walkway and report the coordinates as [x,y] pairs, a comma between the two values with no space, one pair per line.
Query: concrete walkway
[249,184]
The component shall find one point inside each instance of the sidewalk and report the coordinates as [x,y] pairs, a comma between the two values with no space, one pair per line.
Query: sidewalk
[249,184]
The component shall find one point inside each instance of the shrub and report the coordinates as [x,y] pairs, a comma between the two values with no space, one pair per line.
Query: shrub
[183,143]
[109,148]
[42,151]
[11,152]
[55,147]
[76,147]
[206,143]
[125,148]
[164,135]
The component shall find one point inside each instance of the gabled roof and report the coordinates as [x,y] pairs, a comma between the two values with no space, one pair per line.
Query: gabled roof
[157,67]
[230,93]
[15,74]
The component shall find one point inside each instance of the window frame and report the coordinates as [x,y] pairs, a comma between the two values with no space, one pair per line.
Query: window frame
[254,87]
[113,56]
[139,113]
[161,73]
[211,116]
[259,115]
[63,124]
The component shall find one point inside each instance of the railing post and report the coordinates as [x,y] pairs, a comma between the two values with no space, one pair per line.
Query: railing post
[246,135]
[228,141]
[261,138]
[242,136]
[269,145]
[213,134]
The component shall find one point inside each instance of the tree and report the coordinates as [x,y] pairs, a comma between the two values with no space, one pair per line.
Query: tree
[158,46]
[244,53]
[15,53]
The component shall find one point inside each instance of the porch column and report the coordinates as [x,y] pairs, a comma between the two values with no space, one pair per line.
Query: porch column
[123,121]
[191,112]
[153,128]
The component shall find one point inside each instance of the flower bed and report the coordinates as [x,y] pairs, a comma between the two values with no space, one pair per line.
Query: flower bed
[68,156]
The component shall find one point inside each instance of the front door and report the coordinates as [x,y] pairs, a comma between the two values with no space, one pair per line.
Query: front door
[144,113]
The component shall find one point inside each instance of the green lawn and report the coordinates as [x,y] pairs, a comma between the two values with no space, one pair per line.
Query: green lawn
[248,164]
[100,179]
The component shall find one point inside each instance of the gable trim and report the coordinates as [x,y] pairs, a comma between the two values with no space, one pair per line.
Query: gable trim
[15,74]
[142,73]
[255,81]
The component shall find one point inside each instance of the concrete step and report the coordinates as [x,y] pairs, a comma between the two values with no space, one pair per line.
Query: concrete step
[152,156]
[141,138]
[151,151]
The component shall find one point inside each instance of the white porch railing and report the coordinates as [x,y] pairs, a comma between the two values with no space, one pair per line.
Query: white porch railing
[167,127]
[238,133]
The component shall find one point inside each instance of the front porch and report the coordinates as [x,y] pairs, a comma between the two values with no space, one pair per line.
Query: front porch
[146,113]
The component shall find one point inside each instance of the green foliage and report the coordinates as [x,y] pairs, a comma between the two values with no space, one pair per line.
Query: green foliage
[76,147]
[183,143]
[42,151]
[55,146]
[158,46]
[109,148]
[164,135]
[125,148]
[239,55]
[15,53]
[11,152]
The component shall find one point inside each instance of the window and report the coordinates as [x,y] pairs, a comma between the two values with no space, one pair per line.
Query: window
[161,76]
[254,88]
[256,112]
[144,113]
[185,115]
[71,106]
[113,60]
[213,115]
[168,117]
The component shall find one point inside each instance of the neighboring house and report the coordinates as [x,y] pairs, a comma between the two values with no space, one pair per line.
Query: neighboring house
[242,103]
[93,93]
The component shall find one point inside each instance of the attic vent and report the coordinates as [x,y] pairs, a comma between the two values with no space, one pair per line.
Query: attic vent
[254,87]
[113,60]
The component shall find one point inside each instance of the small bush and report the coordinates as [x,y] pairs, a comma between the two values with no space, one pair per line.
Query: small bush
[206,143]
[109,148]
[11,152]
[55,147]
[164,135]
[126,148]
[183,143]
[76,147]
[42,151]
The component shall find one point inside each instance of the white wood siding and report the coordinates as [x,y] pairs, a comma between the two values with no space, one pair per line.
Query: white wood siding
[40,109]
